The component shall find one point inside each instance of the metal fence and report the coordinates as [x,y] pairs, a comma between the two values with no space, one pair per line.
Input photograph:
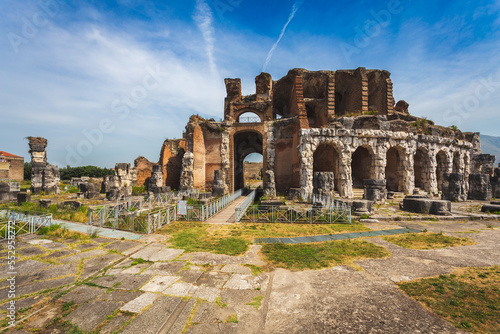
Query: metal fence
[143,222]
[331,211]
[102,214]
[21,223]
[204,212]
[240,210]
[249,120]
[279,214]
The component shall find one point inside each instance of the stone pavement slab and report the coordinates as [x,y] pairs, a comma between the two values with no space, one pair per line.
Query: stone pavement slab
[88,316]
[236,269]
[183,317]
[190,276]
[84,255]
[165,268]
[138,304]
[180,289]
[213,279]
[157,252]
[152,320]
[159,283]
[82,294]
[127,282]
[31,251]
[122,245]
[208,293]
[243,282]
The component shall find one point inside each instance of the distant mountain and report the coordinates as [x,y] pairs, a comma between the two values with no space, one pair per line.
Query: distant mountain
[491,145]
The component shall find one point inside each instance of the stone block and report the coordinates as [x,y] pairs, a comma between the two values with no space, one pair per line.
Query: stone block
[323,183]
[480,187]
[294,194]
[490,208]
[23,197]
[375,190]
[454,187]
[426,206]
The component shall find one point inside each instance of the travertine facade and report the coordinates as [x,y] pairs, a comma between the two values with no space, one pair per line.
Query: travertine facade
[344,123]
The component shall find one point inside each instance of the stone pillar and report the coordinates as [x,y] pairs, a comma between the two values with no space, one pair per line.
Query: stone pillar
[408,172]
[375,190]
[51,179]
[155,183]
[480,187]
[219,187]
[38,162]
[344,185]
[454,187]
[187,180]
[270,185]
[324,183]
[433,186]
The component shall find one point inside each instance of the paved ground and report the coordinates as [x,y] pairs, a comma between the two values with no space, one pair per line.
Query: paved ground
[168,290]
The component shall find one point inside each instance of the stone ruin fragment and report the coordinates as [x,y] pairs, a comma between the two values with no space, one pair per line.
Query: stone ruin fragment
[44,177]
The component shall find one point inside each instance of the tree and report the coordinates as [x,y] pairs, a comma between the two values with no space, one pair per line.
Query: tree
[27,171]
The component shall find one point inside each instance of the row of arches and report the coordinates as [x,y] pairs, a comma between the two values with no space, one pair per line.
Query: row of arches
[363,165]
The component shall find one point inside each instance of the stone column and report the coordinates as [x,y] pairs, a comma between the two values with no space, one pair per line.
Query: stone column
[187,180]
[408,172]
[345,174]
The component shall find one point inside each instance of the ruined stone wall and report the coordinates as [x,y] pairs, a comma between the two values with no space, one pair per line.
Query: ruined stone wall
[43,178]
[380,141]
[144,168]
[171,156]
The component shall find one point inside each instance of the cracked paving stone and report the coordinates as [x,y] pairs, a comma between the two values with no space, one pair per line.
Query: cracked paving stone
[140,303]
[127,282]
[160,283]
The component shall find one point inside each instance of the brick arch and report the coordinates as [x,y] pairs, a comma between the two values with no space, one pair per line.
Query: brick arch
[245,141]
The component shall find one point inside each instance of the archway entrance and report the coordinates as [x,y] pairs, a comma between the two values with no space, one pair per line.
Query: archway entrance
[326,159]
[253,170]
[441,168]
[394,169]
[245,143]
[361,166]
[421,170]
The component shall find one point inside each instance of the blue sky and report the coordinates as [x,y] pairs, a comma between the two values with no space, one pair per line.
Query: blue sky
[108,81]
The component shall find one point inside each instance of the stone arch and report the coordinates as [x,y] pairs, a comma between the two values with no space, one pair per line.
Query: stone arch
[394,169]
[326,158]
[362,165]
[245,142]
[441,168]
[249,117]
[258,113]
[422,169]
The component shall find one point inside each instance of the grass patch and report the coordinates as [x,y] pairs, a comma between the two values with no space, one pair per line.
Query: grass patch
[219,303]
[321,255]
[79,215]
[256,270]
[427,240]
[58,231]
[232,319]
[256,302]
[194,237]
[470,298]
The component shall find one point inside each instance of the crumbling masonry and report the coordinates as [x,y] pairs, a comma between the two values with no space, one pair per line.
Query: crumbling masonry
[340,126]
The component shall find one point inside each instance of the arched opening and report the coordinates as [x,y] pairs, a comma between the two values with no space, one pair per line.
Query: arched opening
[245,143]
[394,169]
[326,159]
[441,168]
[421,170]
[456,162]
[252,170]
[249,117]
[361,166]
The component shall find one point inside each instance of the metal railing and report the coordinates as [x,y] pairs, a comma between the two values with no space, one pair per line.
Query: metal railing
[102,214]
[240,210]
[279,214]
[203,212]
[21,223]
[249,120]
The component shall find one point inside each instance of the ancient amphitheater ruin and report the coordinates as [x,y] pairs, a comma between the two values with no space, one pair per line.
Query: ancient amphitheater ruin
[325,132]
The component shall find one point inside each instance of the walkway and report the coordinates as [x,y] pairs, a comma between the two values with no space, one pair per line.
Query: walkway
[333,237]
[226,216]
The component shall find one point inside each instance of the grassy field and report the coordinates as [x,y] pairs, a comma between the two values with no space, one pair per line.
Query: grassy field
[234,239]
[80,215]
[469,298]
[427,240]
[321,255]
